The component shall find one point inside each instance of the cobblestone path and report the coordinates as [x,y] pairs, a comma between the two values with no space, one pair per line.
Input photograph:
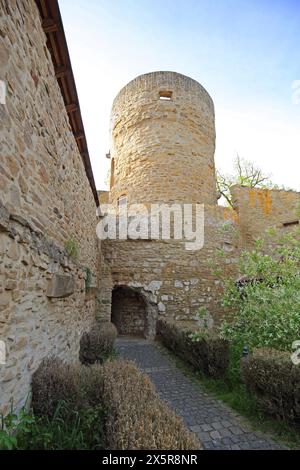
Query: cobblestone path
[216,425]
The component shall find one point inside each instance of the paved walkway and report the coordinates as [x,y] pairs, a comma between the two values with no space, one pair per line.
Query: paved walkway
[217,426]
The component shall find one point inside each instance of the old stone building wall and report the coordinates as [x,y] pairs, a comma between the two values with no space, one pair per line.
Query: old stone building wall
[46,205]
[176,281]
[55,276]
[163,152]
[128,311]
[163,141]
[261,209]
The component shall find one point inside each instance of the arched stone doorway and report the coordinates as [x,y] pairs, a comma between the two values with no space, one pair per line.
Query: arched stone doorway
[133,313]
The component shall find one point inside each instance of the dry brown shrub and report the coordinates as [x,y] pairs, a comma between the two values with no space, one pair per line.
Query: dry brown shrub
[53,382]
[275,381]
[137,418]
[98,343]
[210,353]
[134,415]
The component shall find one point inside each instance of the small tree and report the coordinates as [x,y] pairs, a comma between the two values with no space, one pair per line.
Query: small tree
[266,305]
[245,174]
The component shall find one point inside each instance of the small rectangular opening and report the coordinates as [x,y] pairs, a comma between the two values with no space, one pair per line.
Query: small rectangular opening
[165,95]
[292,222]
[122,201]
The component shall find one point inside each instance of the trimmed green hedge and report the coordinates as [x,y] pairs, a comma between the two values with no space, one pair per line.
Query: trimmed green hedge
[275,381]
[209,353]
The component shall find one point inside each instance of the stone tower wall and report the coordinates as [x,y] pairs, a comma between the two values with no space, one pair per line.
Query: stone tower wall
[163,150]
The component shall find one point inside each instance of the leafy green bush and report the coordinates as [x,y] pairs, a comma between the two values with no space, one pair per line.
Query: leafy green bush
[203,349]
[266,301]
[13,425]
[275,382]
[98,344]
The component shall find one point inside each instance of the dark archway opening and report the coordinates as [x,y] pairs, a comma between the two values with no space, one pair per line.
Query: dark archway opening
[132,313]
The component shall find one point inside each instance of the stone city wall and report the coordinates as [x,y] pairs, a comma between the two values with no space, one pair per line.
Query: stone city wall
[178,281]
[46,205]
[55,276]
[261,209]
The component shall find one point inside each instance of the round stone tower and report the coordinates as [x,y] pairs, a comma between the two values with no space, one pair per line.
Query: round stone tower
[163,141]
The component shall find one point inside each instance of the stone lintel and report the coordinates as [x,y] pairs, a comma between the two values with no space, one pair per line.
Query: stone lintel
[61,285]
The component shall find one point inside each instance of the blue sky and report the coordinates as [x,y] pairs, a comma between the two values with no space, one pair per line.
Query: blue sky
[246,53]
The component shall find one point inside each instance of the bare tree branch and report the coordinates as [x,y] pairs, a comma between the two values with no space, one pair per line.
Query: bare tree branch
[246,174]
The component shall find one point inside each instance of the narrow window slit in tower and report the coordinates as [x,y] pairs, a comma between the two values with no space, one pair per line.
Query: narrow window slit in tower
[165,95]
[122,201]
[112,172]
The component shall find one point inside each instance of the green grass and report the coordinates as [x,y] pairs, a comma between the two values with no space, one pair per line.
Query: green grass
[242,402]
[233,393]
[68,429]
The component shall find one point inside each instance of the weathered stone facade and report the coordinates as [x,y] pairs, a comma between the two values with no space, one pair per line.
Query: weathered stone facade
[178,282]
[133,307]
[46,202]
[163,149]
[163,140]
[163,152]
[259,209]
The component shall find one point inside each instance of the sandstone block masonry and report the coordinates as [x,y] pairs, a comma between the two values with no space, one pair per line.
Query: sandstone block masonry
[260,209]
[163,141]
[46,201]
